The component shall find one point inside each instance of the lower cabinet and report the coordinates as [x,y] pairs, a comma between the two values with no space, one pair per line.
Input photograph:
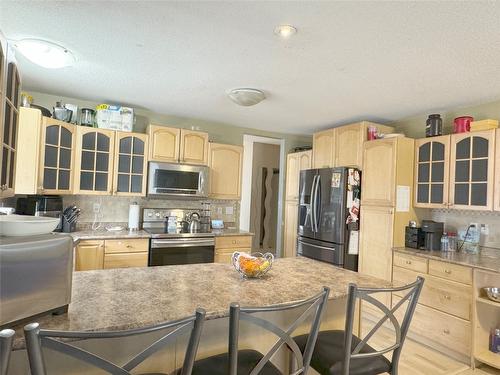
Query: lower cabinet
[290,236]
[226,246]
[95,255]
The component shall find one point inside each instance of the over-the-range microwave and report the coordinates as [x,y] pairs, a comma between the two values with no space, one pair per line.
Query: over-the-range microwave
[168,179]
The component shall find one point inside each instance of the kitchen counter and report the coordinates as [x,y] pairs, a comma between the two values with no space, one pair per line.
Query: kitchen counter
[125,298]
[487,259]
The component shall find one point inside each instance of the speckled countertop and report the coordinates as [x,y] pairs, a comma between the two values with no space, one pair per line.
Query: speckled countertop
[487,259]
[104,234]
[126,298]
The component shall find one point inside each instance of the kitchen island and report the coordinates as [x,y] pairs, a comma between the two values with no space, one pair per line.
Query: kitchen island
[119,299]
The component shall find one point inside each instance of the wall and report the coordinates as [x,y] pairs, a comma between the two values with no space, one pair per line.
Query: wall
[414,127]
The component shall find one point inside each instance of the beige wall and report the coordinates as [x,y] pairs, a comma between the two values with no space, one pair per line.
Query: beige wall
[218,132]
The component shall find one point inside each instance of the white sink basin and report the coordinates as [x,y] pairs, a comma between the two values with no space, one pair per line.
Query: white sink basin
[24,225]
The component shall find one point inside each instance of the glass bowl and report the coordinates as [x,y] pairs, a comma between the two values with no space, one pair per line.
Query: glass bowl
[253,265]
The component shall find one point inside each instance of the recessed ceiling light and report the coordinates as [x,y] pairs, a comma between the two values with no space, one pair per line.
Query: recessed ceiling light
[285,31]
[44,53]
[246,97]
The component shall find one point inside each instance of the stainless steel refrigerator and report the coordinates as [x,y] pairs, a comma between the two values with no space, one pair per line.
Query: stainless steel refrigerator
[328,218]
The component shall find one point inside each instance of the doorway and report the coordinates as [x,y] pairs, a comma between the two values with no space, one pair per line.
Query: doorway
[262,192]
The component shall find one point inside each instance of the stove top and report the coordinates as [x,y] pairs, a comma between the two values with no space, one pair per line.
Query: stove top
[160,233]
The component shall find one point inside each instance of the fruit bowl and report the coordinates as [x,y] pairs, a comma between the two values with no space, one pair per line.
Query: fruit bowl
[252,265]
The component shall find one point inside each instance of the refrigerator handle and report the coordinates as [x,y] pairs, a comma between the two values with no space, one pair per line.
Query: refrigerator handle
[313,204]
[317,203]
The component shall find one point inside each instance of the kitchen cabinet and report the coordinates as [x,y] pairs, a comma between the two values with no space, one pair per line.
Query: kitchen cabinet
[349,143]
[130,165]
[296,162]
[323,149]
[89,255]
[10,84]
[56,157]
[472,170]
[291,222]
[225,162]
[432,172]
[94,157]
[225,246]
[164,143]
[177,145]
[497,173]
[126,253]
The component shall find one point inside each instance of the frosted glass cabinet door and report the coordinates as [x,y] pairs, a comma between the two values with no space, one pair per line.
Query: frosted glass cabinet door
[432,172]
[130,163]
[472,169]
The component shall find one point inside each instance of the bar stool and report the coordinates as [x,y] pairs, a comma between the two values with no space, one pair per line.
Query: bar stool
[37,338]
[6,341]
[342,353]
[253,362]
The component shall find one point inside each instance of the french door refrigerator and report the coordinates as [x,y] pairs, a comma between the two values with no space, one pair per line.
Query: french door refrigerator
[328,222]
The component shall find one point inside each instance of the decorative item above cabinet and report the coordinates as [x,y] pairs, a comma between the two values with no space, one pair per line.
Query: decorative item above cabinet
[177,145]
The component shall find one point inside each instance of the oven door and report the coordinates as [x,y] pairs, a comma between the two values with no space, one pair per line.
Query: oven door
[177,179]
[172,251]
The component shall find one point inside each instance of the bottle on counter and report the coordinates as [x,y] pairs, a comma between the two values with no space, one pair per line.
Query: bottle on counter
[444,242]
[495,340]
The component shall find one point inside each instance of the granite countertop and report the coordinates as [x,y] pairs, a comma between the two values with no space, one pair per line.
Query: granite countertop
[487,259]
[126,298]
[104,234]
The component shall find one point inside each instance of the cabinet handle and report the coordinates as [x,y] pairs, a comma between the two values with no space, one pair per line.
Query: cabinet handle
[129,246]
[446,331]
[447,296]
[447,271]
[408,262]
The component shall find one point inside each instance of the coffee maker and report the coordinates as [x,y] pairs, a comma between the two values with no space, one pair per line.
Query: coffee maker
[433,231]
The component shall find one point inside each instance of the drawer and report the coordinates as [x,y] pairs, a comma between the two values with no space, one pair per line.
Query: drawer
[446,296]
[438,330]
[124,260]
[218,250]
[450,271]
[230,242]
[126,246]
[225,256]
[410,262]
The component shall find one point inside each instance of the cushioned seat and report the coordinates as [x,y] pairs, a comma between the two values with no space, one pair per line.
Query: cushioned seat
[329,354]
[219,364]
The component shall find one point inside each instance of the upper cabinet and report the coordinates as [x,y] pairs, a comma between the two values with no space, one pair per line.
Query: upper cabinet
[497,174]
[10,83]
[432,157]
[225,163]
[56,157]
[177,145]
[472,169]
[296,162]
[323,149]
[94,161]
[130,166]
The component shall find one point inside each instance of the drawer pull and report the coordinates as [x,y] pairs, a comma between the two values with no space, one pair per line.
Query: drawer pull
[446,296]
[446,331]
[129,246]
[447,271]
[408,262]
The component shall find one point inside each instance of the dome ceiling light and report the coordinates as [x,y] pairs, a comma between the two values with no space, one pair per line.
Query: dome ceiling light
[46,54]
[285,31]
[246,97]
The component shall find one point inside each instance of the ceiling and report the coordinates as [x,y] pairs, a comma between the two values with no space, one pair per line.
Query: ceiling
[379,61]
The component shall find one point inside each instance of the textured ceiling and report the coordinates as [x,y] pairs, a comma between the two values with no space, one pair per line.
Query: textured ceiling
[349,60]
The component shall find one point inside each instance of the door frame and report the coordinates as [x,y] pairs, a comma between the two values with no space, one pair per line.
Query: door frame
[246,184]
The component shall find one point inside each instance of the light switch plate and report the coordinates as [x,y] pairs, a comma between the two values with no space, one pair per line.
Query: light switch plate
[229,210]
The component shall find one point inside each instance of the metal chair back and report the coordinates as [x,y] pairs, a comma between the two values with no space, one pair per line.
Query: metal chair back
[60,341]
[6,341]
[314,307]
[401,329]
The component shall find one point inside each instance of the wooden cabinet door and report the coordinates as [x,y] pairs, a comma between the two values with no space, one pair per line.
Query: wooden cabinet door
[130,164]
[225,162]
[94,161]
[290,236]
[379,172]
[472,169]
[56,157]
[349,145]
[375,250]
[89,255]
[11,83]
[323,149]
[164,143]
[305,160]
[194,147]
[292,173]
[432,157]
[497,171]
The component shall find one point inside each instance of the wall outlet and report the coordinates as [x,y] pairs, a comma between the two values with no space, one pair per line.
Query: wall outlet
[219,210]
[229,210]
[97,207]
[485,229]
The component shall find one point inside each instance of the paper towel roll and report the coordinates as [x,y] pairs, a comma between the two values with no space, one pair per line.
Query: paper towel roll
[133,216]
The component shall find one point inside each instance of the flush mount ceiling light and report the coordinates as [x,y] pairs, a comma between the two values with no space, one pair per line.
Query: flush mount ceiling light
[285,31]
[246,97]
[46,54]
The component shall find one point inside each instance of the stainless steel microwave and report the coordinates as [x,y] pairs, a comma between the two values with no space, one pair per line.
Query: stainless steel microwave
[167,179]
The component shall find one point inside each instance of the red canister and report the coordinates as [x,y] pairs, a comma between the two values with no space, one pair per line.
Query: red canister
[462,124]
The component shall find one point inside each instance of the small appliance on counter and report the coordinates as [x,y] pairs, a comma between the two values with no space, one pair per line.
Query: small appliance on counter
[433,230]
[41,205]
[35,276]
[414,237]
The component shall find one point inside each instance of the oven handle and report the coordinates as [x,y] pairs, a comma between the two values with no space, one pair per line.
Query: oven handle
[181,243]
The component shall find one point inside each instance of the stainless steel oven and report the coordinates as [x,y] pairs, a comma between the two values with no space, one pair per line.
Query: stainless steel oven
[181,250]
[168,179]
